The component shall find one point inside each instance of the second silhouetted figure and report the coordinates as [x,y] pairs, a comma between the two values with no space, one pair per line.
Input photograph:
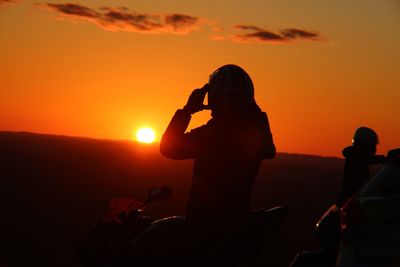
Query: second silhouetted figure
[359,157]
[227,150]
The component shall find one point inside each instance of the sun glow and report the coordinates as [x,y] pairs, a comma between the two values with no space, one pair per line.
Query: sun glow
[145,135]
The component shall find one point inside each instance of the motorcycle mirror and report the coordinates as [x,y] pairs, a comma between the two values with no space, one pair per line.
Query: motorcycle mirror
[159,193]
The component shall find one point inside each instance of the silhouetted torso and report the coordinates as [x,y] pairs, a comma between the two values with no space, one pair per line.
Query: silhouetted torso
[227,152]
[356,172]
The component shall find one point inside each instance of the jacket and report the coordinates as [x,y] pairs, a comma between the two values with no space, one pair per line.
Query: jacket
[227,153]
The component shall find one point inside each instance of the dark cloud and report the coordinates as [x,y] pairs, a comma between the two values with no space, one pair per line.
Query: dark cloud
[180,21]
[258,34]
[297,33]
[262,35]
[75,10]
[247,27]
[123,19]
[131,21]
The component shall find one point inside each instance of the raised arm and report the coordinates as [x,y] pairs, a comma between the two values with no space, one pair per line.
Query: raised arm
[175,143]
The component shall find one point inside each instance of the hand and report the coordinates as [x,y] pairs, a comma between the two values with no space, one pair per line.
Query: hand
[196,99]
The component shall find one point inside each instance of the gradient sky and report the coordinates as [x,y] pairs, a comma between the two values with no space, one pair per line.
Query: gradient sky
[103,69]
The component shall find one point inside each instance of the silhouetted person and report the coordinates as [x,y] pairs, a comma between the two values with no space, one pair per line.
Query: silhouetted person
[358,158]
[227,151]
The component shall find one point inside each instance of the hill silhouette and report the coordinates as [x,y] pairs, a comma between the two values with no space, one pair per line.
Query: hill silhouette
[53,186]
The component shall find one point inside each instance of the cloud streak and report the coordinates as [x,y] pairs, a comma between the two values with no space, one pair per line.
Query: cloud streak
[257,34]
[123,19]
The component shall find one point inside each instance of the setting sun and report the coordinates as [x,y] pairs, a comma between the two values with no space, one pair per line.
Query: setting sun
[145,135]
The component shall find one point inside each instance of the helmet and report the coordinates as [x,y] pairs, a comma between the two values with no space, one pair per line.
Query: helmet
[229,81]
[365,135]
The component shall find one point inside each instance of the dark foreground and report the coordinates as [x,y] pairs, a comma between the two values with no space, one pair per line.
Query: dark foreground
[52,188]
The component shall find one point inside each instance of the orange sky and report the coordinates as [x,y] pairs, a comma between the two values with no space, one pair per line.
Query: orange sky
[320,68]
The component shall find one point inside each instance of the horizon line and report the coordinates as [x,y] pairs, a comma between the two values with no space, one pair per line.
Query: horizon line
[139,143]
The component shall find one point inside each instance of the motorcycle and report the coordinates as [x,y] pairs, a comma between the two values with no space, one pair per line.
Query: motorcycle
[327,233]
[331,229]
[124,236]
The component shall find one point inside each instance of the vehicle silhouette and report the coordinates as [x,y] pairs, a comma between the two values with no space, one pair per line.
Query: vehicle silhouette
[127,237]
[365,231]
